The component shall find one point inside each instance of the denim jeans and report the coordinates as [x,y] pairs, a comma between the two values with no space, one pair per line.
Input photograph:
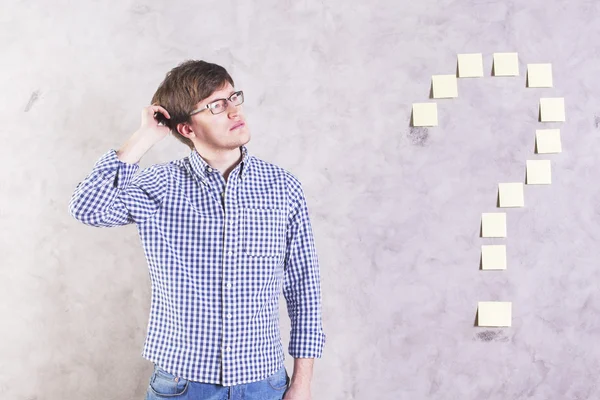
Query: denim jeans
[163,386]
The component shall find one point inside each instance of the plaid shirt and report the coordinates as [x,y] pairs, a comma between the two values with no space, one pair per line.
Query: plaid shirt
[219,254]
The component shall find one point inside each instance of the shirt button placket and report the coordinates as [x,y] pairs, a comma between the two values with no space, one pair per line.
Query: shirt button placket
[228,268]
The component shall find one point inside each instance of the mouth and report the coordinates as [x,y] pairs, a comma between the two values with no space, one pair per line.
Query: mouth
[237,126]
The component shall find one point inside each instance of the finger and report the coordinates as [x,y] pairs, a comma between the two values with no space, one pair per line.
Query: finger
[160,109]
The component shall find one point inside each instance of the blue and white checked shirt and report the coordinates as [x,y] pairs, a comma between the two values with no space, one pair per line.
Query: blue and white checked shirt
[219,254]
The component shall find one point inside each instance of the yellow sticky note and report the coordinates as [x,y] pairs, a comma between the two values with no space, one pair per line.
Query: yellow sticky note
[552,109]
[548,141]
[511,195]
[425,114]
[493,257]
[470,65]
[444,86]
[493,225]
[539,172]
[494,313]
[539,75]
[506,64]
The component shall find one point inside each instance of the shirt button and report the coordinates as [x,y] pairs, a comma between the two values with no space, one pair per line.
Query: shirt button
[209,169]
[229,285]
[228,348]
[230,253]
[230,222]
[229,316]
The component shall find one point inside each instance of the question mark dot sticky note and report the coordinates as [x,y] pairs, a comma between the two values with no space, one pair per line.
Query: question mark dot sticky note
[493,225]
[494,313]
[506,64]
[552,109]
[539,75]
[539,172]
[511,194]
[548,141]
[470,65]
[444,86]
[425,114]
[493,257]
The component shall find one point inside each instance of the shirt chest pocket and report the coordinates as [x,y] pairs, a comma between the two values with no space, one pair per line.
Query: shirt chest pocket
[264,232]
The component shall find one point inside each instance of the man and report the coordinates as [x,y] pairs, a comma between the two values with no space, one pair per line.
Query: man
[223,233]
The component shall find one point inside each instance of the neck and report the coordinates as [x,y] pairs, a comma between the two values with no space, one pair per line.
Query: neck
[222,160]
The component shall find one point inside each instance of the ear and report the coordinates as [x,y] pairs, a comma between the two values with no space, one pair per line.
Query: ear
[185,130]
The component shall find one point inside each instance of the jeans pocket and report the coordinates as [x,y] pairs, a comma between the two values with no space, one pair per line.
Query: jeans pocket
[166,385]
[279,380]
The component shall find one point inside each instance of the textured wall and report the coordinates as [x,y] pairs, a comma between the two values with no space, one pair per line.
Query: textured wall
[396,210]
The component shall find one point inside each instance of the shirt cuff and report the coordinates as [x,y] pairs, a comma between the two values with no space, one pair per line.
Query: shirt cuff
[306,344]
[114,171]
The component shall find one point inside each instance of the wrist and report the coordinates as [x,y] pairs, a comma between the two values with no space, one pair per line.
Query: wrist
[133,150]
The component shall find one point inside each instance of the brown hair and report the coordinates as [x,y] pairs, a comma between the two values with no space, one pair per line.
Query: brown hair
[186,85]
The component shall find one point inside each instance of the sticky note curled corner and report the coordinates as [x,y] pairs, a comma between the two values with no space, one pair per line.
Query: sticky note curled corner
[548,141]
[493,257]
[506,64]
[444,86]
[470,65]
[493,225]
[552,109]
[539,172]
[511,194]
[425,114]
[494,313]
[539,75]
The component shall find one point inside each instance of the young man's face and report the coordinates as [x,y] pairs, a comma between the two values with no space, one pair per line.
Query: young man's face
[224,131]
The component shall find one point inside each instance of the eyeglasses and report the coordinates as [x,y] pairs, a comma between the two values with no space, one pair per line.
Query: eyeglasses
[220,105]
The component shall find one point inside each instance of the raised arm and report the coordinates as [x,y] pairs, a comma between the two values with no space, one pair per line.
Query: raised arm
[111,194]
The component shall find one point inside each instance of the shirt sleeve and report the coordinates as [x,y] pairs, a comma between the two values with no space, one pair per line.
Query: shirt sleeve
[111,195]
[301,285]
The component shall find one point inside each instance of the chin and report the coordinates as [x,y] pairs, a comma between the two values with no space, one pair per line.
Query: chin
[245,137]
[238,142]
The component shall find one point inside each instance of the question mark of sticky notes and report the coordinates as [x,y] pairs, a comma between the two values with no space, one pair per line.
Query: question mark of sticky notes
[510,194]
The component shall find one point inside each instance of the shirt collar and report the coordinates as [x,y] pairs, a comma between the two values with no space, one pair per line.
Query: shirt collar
[202,169]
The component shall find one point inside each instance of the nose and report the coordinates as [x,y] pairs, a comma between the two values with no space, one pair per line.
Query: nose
[232,111]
